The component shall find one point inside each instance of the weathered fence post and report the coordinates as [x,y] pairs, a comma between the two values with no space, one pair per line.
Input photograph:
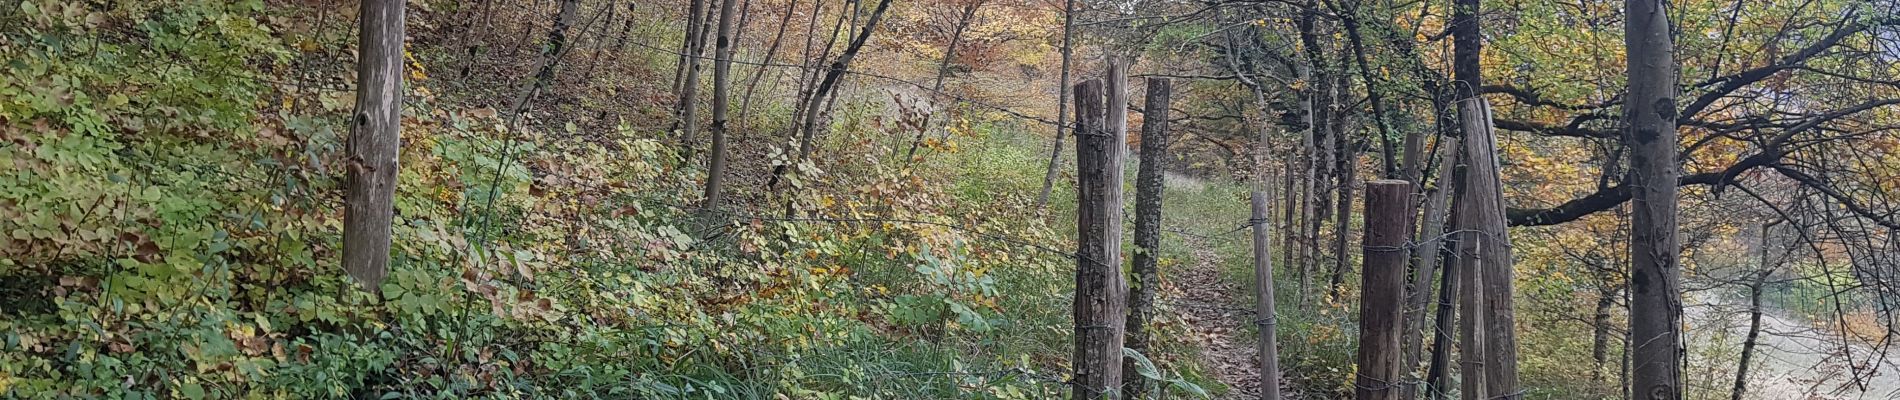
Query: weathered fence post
[1148,188]
[1099,289]
[1382,288]
[1264,311]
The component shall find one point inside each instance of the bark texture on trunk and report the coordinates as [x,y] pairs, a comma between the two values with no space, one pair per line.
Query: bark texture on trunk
[1062,106]
[1342,219]
[687,44]
[722,88]
[943,70]
[687,110]
[745,102]
[1600,334]
[1754,315]
[1749,341]
[808,122]
[1655,281]
[1148,191]
[375,143]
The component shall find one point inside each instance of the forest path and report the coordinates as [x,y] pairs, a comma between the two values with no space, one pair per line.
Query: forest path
[1204,297]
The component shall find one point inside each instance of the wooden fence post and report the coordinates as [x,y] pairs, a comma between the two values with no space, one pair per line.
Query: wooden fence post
[1382,287]
[1099,289]
[1148,189]
[1265,316]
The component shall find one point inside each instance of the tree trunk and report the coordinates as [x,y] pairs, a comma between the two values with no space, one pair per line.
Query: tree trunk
[1600,333]
[1389,160]
[1266,315]
[1650,117]
[1382,288]
[687,44]
[594,60]
[1289,205]
[1431,244]
[1754,317]
[745,103]
[1321,96]
[1148,191]
[1099,288]
[833,74]
[1062,106]
[1749,341]
[688,107]
[722,88]
[375,143]
[1348,163]
[943,70]
[1308,230]
[807,66]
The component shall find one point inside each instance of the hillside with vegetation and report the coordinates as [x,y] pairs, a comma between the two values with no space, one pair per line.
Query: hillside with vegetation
[924,199]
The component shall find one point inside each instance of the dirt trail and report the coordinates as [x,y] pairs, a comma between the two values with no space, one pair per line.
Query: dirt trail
[1204,297]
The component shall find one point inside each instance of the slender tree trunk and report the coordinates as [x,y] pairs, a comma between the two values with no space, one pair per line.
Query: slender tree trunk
[688,107]
[626,28]
[1623,373]
[1099,301]
[1650,115]
[1600,333]
[1289,205]
[375,143]
[808,87]
[1754,318]
[594,60]
[1309,181]
[1388,157]
[833,74]
[1750,341]
[943,70]
[550,56]
[1148,192]
[686,56]
[1062,107]
[1430,245]
[745,103]
[1329,173]
[722,87]
[1347,166]
[1382,288]
[1266,314]
[807,67]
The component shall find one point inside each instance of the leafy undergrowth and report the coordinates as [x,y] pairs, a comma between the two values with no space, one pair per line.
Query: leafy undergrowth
[172,218]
